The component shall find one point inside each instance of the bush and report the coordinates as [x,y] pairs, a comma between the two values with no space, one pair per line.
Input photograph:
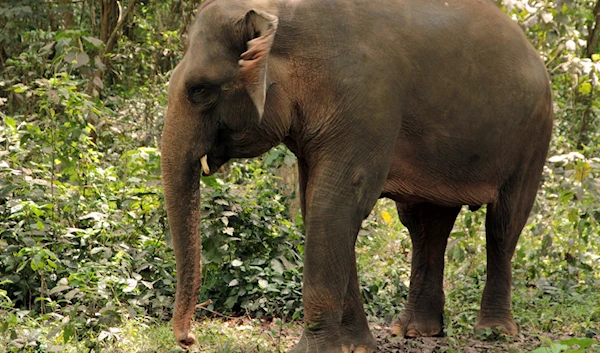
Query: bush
[252,250]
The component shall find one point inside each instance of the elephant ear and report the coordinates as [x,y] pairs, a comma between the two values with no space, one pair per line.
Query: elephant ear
[261,27]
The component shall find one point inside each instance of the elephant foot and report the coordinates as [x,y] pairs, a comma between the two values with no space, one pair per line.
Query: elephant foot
[349,345]
[187,340]
[358,349]
[498,324]
[358,343]
[340,349]
[306,345]
[411,326]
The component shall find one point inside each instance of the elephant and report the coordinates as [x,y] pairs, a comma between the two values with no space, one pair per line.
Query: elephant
[434,104]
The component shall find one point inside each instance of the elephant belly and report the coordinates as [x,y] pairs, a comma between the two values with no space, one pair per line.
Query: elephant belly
[411,183]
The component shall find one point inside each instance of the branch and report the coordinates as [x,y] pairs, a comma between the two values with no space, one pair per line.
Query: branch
[112,39]
[592,42]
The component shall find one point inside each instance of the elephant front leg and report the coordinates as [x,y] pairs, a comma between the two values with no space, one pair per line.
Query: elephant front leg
[334,317]
[355,328]
[429,226]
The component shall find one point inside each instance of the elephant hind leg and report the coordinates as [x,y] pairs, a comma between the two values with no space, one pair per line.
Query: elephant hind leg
[505,220]
[429,226]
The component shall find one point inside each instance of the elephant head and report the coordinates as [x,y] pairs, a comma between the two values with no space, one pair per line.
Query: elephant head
[223,103]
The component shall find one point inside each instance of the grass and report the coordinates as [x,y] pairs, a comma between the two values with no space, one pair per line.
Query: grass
[553,299]
[256,336]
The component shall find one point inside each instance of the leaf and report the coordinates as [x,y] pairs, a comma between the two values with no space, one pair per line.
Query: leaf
[52,348]
[547,17]
[99,64]
[82,59]
[103,335]
[289,160]
[10,122]
[20,88]
[209,181]
[585,88]
[230,302]
[4,192]
[236,263]
[542,350]
[131,284]
[581,342]
[228,231]
[71,294]
[98,82]
[41,182]
[263,284]
[387,218]
[271,157]
[94,251]
[68,333]
[234,283]
[277,266]
[96,216]
[93,41]
[566,196]
[28,241]
[47,47]
[70,57]
[58,289]
[582,170]
[55,331]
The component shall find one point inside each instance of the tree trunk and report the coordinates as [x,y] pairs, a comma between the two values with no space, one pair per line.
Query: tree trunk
[112,20]
[108,18]
[592,42]
[66,9]
[590,50]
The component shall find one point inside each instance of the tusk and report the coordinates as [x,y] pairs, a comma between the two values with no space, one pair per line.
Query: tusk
[205,168]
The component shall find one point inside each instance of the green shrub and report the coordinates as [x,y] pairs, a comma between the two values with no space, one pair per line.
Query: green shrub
[252,251]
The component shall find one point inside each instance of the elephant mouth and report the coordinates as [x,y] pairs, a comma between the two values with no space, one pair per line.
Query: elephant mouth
[211,164]
[205,167]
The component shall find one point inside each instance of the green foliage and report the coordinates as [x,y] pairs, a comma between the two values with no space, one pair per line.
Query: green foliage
[560,32]
[252,252]
[567,346]
[83,254]
[384,272]
[80,237]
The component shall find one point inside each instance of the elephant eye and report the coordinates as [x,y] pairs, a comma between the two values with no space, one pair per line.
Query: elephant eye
[204,96]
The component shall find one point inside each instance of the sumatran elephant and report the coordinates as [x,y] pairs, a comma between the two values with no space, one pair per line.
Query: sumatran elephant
[434,104]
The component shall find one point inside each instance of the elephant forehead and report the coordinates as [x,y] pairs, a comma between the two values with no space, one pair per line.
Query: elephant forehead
[204,67]
[209,57]
[209,61]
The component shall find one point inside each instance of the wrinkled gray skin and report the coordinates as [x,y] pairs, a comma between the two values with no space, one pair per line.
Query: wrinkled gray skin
[434,104]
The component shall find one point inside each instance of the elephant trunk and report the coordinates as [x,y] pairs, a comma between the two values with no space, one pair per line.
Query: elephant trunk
[181,174]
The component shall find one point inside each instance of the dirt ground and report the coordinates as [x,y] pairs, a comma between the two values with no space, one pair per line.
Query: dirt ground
[388,343]
[524,342]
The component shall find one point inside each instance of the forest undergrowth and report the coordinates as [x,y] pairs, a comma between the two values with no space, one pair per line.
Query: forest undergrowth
[85,257]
